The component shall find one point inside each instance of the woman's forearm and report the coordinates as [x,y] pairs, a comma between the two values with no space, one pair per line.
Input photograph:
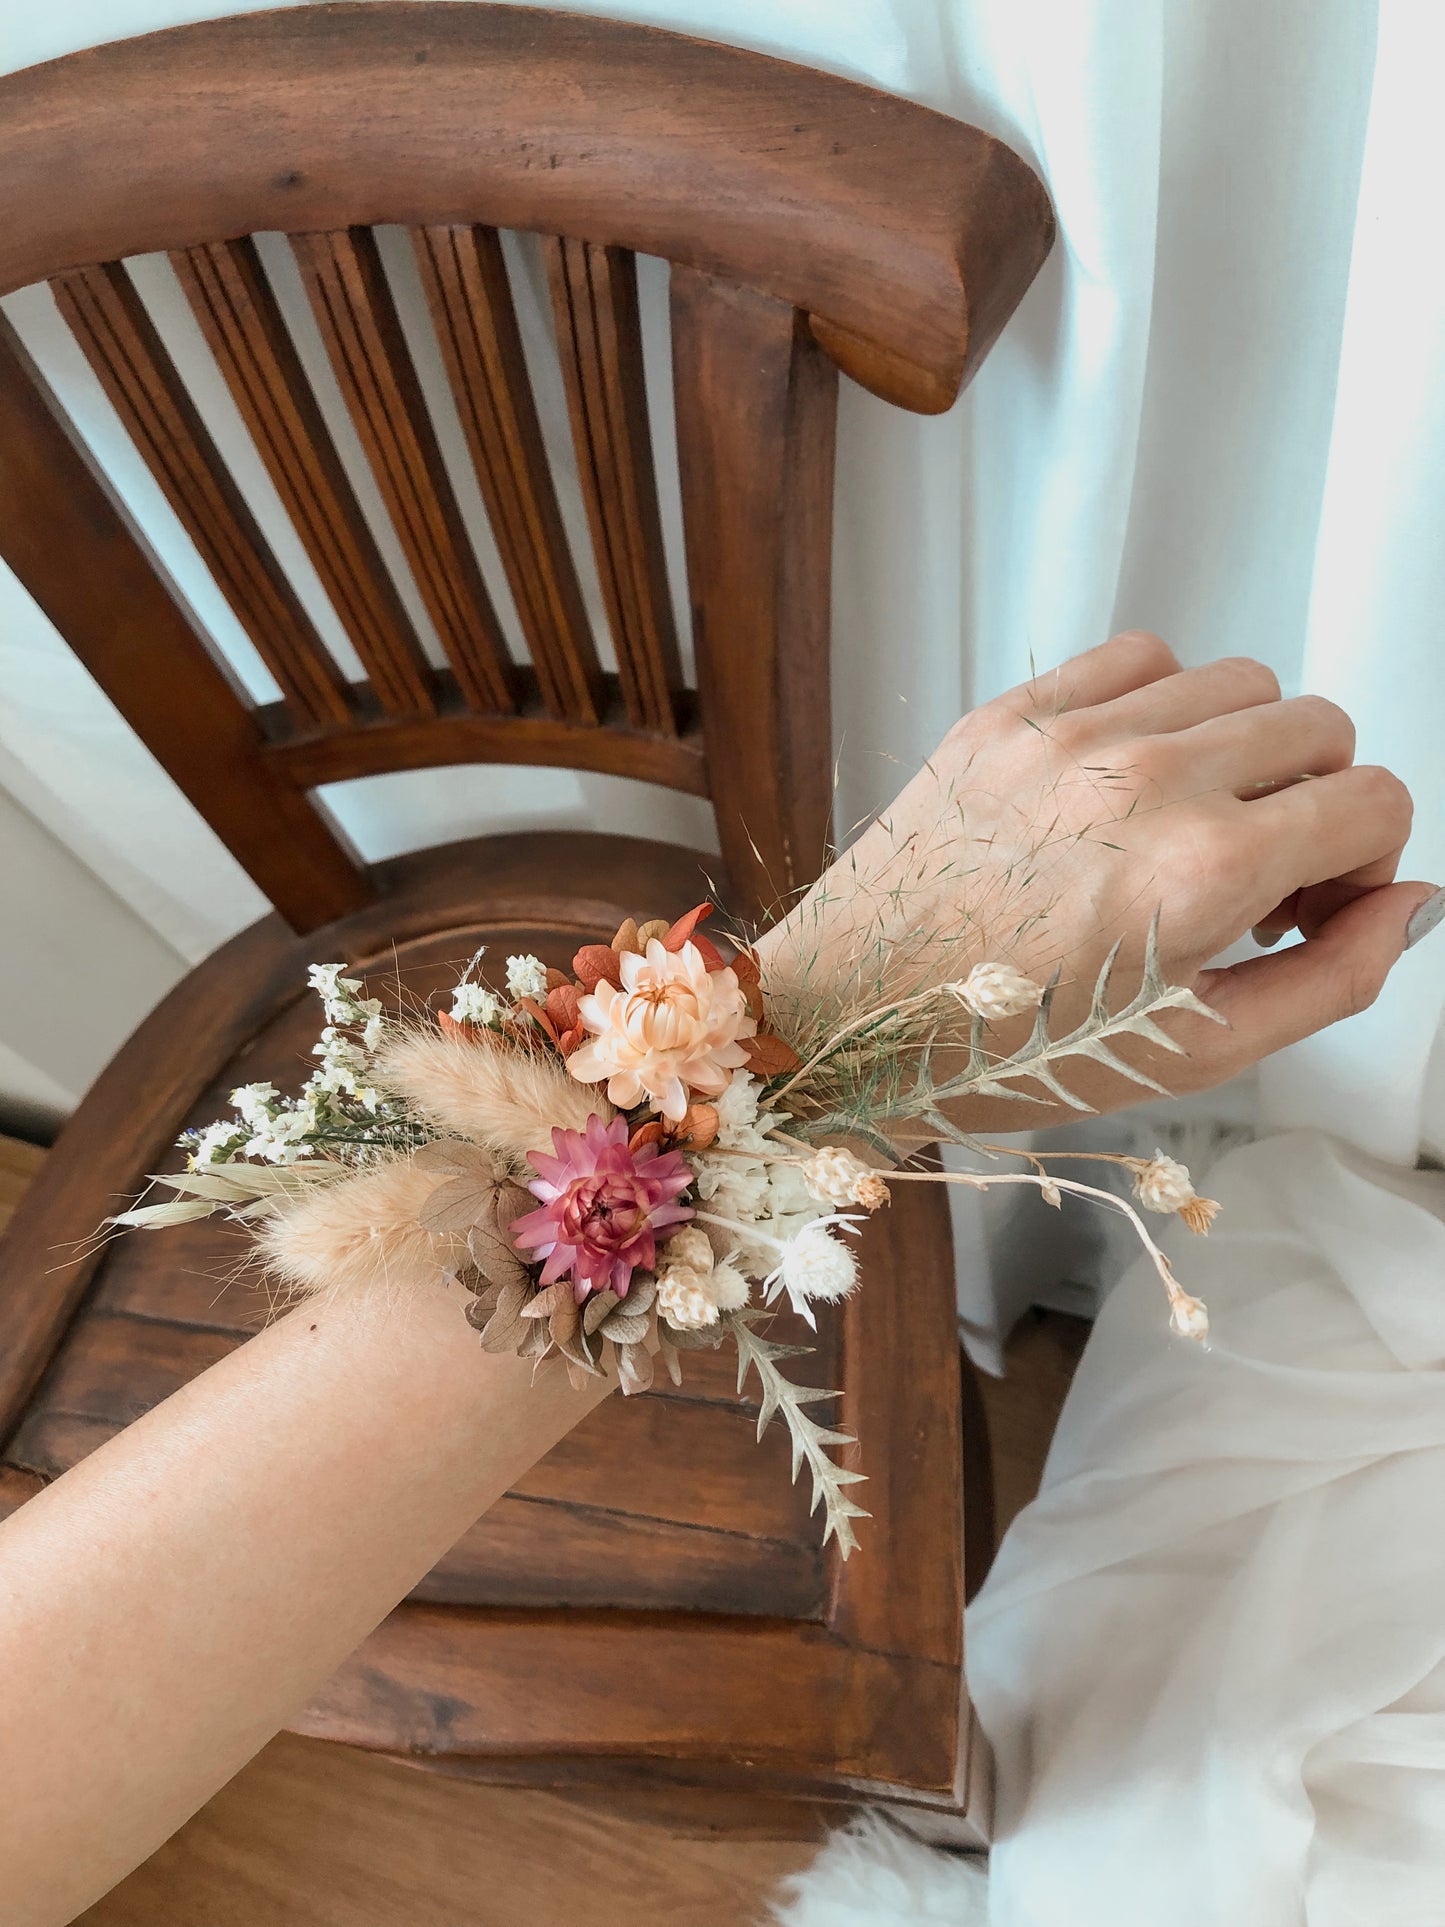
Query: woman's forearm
[169,1604]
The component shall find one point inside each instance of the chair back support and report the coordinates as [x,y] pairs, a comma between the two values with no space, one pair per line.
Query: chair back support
[811,224]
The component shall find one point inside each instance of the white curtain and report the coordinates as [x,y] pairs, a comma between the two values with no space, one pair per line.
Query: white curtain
[1219,413]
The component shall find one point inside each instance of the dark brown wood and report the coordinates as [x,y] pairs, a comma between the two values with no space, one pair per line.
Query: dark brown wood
[599,339]
[756,412]
[73,547]
[913,235]
[354,310]
[466,284]
[107,318]
[458,735]
[232,300]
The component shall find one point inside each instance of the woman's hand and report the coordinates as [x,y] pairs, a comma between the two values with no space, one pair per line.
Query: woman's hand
[1065,814]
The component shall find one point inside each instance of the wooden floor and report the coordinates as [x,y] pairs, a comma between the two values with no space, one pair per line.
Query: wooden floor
[313,1835]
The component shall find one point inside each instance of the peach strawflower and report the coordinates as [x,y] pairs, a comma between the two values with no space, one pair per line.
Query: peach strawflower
[673,1028]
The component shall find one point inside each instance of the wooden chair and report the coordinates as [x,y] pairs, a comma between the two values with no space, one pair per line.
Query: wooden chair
[651,1604]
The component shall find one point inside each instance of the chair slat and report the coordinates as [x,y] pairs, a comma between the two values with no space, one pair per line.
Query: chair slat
[119,340]
[756,413]
[599,339]
[233,301]
[359,325]
[465,279]
[73,548]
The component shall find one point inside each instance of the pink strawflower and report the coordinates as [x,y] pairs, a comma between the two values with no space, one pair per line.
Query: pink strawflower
[602,1205]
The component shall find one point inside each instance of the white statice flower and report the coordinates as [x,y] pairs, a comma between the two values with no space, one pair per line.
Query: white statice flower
[816,1265]
[254,1102]
[279,1139]
[526,977]
[217,1144]
[343,1064]
[475,1004]
[685,1299]
[994,991]
[1163,1184]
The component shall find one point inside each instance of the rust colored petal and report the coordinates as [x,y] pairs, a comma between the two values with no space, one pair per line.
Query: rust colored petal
[769,1056]
[597,963]
[534,1009]
[653,1132]
[746,969]
[682,931]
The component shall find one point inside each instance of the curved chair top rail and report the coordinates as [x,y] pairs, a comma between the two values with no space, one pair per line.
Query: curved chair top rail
[906,236]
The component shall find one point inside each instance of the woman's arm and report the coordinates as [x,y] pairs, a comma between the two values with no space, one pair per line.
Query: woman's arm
[169,1603]
[172,1600]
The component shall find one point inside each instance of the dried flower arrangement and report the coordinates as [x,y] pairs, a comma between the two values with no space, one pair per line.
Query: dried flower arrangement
[600,1158]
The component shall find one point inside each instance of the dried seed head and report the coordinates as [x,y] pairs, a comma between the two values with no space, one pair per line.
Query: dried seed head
[996,990]
[1162,1184]
[685,1299]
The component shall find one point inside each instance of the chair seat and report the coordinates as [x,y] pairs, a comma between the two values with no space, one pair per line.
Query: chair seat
[654,1592]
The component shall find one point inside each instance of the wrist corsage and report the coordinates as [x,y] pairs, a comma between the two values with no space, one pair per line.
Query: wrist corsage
[632,1161]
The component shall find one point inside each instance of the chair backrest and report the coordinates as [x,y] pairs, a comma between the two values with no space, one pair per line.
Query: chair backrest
[812,224]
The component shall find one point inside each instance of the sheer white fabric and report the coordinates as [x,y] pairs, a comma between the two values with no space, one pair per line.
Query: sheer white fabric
[1211,1656]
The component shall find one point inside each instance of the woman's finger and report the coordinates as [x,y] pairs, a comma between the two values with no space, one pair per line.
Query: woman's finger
[1273,1001]
[1125,662]
[1252,752]
[1345,828]
[1170,703]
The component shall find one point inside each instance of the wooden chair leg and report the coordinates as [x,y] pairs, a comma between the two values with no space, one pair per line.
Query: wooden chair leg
[979,1523]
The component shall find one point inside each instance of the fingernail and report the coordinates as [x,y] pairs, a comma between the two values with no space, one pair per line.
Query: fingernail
[1430,913]
[1266,939]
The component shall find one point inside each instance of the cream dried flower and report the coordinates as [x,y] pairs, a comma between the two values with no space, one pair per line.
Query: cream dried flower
[672,1028]
[684,1298]
[689,1246]
[526,977]
[835,1176]
[1162,1183]
[996,990]
[1189,1317]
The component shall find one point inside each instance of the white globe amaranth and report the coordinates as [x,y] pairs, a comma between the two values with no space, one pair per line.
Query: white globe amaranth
[815,1264]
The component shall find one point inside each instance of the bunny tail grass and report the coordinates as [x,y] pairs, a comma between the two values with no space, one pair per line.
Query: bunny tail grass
[359,1236]
[503,1099]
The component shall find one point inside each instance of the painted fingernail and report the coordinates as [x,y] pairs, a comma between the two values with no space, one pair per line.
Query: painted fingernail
[1430,913]
[1266,939]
